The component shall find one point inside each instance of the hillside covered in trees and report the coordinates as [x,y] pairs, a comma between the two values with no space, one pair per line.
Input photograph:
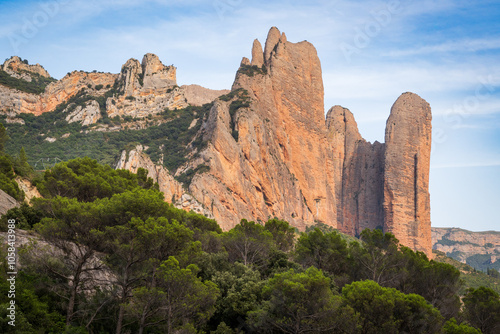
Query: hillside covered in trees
[107,254]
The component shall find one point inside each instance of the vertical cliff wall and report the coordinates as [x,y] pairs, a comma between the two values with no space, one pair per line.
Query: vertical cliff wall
[406,182]
[385,186]
[270,157]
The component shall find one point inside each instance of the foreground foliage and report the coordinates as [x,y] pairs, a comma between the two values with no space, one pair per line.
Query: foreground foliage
[109,255]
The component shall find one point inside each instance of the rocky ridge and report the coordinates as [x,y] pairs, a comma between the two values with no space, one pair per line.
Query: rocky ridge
[21,70]
[478,249]
[140,89]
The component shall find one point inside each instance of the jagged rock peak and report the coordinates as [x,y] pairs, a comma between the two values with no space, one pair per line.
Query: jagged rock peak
[151,64]
[257,54]
[273,37]
[245,61]
[132,63]
[342,120]
[16,65]
[157,75]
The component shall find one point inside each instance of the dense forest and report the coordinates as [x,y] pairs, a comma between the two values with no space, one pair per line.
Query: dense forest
[108,255]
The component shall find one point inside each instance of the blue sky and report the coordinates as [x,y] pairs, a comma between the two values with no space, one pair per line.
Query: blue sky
[446,51]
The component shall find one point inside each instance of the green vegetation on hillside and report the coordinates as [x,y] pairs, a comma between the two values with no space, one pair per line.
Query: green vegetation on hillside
[174,138]
[251,70]
[240,99]
[12,166]
[35,86]
[123,260]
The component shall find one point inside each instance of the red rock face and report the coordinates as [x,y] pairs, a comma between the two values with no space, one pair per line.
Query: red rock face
[406,183]
[385,186]
[288,162]
[279,164]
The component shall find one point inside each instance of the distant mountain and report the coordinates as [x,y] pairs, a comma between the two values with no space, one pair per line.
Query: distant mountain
[480,250]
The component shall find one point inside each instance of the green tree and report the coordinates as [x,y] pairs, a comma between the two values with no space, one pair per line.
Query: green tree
[451,327]
[3,137]
[387,310]
[438,283]
[179,299]
[34,314]
[283,233]
[131,248]
[21,166]
[86,180]
[302,303]
[240,292]
[248,242]
[325,251]
[70,258]
[377,258]
[482,309]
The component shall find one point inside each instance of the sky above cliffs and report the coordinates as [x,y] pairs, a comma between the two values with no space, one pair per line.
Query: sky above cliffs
[446,51]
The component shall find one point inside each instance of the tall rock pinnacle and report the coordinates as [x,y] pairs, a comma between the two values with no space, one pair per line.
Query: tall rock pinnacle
[407,160]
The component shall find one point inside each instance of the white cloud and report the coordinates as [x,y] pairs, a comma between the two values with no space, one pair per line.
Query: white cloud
[466,45]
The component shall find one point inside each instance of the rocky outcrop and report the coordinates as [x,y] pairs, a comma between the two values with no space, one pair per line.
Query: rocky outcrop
[479,249]
[7,202]
[269,156]
[86,115]
[146,88]
[197,95]
[139,90]
[173,191]
[55,93]
[276,155]
[385,185]
[30,191]
[22,70]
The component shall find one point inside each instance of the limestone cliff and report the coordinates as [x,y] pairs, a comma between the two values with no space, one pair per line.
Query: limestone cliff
[478,249]
[139,90]
[171,188]
[22,70]
[385,185]
[55,93]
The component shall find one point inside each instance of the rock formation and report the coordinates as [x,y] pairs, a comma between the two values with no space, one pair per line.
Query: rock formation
[268,150]
[55,93]
[21,70]
[479,249]
[268,157]
[171,188]
[286,161]
[89,114]
[145,89]
[407,162]
[7,202]
[139,90]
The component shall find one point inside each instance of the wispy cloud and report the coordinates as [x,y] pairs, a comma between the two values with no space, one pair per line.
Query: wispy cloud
[467,45]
